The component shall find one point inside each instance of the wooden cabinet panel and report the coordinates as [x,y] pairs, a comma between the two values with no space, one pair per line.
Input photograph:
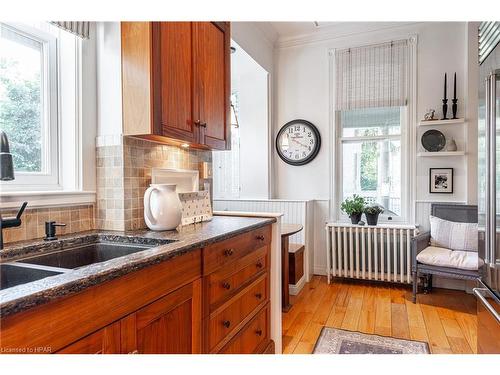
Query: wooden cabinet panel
[226,282]
[136,78]
[253,338]
[170,325]
[225,252]
[176,79]
[212,73]
[104,341]
[229,317]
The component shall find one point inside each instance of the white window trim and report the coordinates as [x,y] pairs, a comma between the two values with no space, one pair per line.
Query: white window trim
[408,141]
[49,179]
[73,186]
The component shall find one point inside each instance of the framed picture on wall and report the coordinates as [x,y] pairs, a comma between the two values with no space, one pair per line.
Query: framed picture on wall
[441,180]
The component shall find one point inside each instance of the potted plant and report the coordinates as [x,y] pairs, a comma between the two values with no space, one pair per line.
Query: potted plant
[372,212]
[353,207]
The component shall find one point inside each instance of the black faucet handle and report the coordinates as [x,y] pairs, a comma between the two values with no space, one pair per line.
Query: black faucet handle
[21,210]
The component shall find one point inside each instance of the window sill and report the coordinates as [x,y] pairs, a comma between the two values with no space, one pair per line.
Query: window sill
[40,199]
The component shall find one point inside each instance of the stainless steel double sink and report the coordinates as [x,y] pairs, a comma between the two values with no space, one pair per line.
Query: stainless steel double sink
[55,263]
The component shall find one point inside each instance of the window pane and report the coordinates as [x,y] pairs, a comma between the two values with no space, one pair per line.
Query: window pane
[21,114]
[371,122]
[372,169]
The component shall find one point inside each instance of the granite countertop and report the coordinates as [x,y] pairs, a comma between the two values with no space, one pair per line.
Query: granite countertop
[25,296]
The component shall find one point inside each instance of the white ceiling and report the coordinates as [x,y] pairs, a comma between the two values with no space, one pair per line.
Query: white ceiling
[287,29]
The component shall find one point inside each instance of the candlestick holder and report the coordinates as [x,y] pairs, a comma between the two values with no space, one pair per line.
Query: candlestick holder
[454,108]
[445,109]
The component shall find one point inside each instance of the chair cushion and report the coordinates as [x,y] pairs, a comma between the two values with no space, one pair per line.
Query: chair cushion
[453,235]
[442,257]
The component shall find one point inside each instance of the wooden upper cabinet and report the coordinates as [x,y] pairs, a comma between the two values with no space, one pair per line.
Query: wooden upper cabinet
[212,72]
[176,82]
[170,325]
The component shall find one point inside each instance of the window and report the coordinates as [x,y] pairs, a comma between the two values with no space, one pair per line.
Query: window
[371,155]
[37,62]
[371,117]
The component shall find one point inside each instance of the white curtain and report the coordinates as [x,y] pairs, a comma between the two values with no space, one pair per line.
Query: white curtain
[79,28]
[372,76]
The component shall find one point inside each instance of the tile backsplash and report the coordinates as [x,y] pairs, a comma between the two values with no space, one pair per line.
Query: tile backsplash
[77,219]
[124,174]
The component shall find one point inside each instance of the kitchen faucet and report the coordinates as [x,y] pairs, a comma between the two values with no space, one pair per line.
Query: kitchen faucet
[10,222]
[7,174]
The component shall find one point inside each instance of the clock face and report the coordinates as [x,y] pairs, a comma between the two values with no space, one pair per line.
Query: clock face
[298,142]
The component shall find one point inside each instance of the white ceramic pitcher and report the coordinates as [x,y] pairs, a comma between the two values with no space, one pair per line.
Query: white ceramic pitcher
[162,207]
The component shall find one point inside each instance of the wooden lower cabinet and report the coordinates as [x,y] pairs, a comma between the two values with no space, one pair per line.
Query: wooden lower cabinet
[236,312]
[200,302]
[171,325]
[105,341]
[253,338]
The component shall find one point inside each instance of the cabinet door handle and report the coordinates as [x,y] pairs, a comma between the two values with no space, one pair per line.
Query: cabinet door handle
[134,352]
[228,252]
[258,332]
[197,122]
[203,124]
[226,323]
[258,295]
[226,286]
[260,237]
[259,265]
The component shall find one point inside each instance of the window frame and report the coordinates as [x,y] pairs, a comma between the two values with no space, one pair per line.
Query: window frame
[404,141]
[48,179]
[409,137]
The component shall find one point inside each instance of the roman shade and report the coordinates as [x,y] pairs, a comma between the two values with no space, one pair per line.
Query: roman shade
[384,117]
[78,28]
[371,76]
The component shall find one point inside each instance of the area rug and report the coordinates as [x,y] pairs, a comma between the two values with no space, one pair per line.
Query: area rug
[339,341]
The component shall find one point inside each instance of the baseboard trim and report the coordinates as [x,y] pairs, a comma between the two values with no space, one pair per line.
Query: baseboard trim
[319,270]
[295,289]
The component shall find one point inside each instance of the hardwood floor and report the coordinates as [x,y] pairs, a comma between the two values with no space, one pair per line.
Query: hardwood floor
[445,319]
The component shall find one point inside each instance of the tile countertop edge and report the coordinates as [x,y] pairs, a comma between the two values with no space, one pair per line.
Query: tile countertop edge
[77,280]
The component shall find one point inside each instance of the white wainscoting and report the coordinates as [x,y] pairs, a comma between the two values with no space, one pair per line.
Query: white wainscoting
[294,212]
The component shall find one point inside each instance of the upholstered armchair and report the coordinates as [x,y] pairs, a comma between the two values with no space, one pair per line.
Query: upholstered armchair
[451,212]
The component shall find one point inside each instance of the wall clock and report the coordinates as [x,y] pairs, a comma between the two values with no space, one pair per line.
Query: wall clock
[298,142]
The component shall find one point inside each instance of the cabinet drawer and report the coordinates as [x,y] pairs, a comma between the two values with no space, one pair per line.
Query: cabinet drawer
[225,252]
[231,316]
[252,338]
[226,281]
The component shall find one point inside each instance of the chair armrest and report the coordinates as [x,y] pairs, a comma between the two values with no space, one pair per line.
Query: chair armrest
[419,243]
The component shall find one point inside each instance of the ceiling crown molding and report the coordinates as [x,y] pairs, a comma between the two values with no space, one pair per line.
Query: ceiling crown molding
[326,33]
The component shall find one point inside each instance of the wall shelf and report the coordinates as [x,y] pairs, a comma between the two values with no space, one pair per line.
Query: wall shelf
[441,122]
[441,153]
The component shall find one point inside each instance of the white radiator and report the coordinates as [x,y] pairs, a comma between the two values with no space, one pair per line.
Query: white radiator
[379,252]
